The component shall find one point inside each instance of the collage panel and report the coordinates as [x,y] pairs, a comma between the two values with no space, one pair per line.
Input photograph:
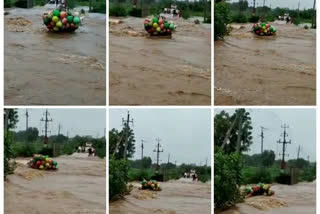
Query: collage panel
[159,52]
[265,52]
[55,52]
[265,160]
[159,161]
[54,161]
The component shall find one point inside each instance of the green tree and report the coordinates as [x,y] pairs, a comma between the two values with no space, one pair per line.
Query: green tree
[221,19]
[268,157]
[118,138]
[226,130]
[12,118]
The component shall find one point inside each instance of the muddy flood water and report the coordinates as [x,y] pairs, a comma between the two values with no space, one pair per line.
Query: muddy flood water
[53,68]
[159,71]
[177,197]
[277,70]
[296,199]
[79,186]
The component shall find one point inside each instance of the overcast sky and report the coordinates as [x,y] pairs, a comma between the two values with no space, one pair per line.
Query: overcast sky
[185,133]
[302,130]
[75,121]
[292,4]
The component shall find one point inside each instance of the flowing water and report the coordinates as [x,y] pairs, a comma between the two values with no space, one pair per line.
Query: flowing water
[177,197]
[79,186]
[295,199]
[53,68]
[277,70]
[159,71]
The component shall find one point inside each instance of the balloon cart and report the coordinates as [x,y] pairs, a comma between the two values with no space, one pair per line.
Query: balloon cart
[42,162]
[159,27]
[264,29]
[61,21]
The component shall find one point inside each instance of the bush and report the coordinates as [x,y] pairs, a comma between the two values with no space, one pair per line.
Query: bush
[256,175]
[205,178]
[239,18]
[7,3]
[306,27]
[8,154]
[254,19]
[309,174]
[136,12]
[227,179]
[139,175]
[221,19]
[21,4]
[99,7]
[118,177]
[185,14]
[21,149]
[296,21]
[117,10]
[270,18]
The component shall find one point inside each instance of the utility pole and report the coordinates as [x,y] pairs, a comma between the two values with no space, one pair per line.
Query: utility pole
[157,150]
[59,128]
[168,158]
[46,122]
[142,147]
[308,158]
[127,128]
[298,156]
[254,7]
[284,143]
[313,25]
[239,132]
[262,137]
[27,126]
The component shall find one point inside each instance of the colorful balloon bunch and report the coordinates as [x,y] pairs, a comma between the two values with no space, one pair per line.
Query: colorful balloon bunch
[42,162]
[259,189]
[264,29]
[152,185]
[58,20]
[159,26]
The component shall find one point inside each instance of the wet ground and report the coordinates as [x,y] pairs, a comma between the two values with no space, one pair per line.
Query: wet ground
[254,70]
[42,68]
[296,199]
[79,186]
[177,197]
[159,71]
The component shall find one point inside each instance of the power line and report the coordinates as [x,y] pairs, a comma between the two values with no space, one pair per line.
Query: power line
[284,142]
[157,150]
[46,122]
[127,128]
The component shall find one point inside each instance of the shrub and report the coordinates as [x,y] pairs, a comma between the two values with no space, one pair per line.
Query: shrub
[254,19]
[118,177]
[7,3]
[227,179]
[256,175]
[270,18]
[8,153]
[185,14]
[239,18]
[306,27]
[221,19]
[296,21]
[118,10]
[139,175]
[136,12]
[21,4]
[99,7]
[309,174]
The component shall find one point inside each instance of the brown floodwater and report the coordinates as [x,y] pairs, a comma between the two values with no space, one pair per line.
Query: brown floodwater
[295,199]
[177,197]
[277,70]
[53,68]
[146,70]
[79,186]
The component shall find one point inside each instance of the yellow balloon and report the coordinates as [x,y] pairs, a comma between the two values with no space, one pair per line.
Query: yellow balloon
[155,25]
[158,29]
[264,27]
[55,19]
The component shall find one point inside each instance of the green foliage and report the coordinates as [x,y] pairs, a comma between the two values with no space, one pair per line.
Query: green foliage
[22,149]
[99,7]
[227,179]
[71,4]
[309,174]
[145,163]
[8,153]
[140,175]
[268,157]
[239,18]
[256,175]
[100,146]
[185,14]
[117,10]
[40,2]
[115,136]
[7,3]
[224,121]
[21,4]
[221,20]
[254,19]
[13,118]
[283,178]
[136,12]
[270,18]
[118,177]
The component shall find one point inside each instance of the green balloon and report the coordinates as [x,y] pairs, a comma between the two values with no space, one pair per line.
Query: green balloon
[171,26]
[70,19]
[69,13]
[263,24]
[46,21]
[166,25]
[155,20]
[56,13]
[76,20]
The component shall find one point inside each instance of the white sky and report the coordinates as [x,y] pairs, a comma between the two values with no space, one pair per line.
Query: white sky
[75,121]
[302,130]
[185,133]
[291,4]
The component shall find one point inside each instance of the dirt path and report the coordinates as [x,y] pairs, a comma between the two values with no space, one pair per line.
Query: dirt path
[176,197]
[253,70]
[153,71]
[296,199]
[53,68]
[77,187]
